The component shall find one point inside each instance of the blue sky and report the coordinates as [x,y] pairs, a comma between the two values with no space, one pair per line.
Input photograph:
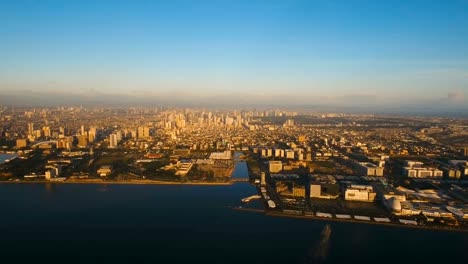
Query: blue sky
[384,51]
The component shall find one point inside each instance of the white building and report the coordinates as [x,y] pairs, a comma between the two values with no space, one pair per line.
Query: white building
[415,169]
[369,169]
[362,193]
[226,155]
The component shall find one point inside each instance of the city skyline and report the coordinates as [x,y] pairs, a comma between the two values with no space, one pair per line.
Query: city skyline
[363,54]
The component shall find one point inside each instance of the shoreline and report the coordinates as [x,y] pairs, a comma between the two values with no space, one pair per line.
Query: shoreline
[353,221]
[123,183]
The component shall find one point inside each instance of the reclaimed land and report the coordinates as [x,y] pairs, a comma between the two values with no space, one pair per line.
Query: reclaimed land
[311,217]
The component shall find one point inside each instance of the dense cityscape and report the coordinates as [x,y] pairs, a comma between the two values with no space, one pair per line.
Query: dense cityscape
[214,131]
[393,170]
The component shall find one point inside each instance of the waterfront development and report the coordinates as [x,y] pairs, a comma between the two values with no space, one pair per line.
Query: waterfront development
[401,171]
[265,131]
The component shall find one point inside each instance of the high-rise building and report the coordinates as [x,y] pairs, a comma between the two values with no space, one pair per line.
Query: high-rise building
[113,141]
[46,131]
[30,129]
[289,123]
[119,135]
[143,132]
[92,134]
[82,141]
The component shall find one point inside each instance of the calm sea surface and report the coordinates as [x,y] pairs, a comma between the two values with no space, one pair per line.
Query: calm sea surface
[4,157]
[192,224]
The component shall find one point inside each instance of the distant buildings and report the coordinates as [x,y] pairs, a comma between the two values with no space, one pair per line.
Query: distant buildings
[289,123]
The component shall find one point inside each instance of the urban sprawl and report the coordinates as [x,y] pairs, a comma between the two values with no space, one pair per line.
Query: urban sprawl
[346,167]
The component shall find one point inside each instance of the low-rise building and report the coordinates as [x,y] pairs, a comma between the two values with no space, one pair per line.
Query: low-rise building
[226,155]
[21,143]
[324,190]
[369,169]
[415,169]
[183,167]
[298,190]
[105,170]
[275,166]
[362,193]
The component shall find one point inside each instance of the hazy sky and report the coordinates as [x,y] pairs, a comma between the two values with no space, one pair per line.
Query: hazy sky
[329,51]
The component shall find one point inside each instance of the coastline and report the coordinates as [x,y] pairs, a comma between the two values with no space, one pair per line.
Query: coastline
[122,182]
[354,221]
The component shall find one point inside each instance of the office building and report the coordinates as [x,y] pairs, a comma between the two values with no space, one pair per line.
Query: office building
[113,141]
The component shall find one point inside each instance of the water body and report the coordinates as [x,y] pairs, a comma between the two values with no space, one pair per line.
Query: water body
[4,157]
[240,170]
[190,224]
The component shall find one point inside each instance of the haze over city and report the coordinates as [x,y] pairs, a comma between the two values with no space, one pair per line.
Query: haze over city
[366,55]
[234,131]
